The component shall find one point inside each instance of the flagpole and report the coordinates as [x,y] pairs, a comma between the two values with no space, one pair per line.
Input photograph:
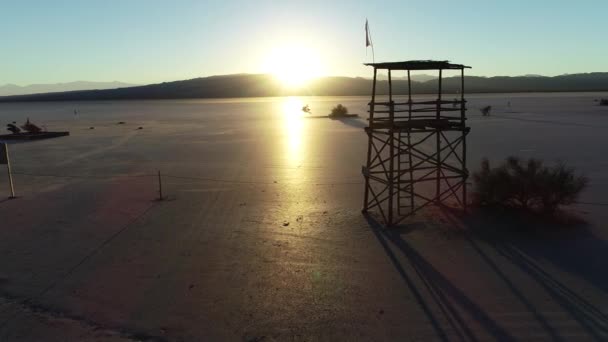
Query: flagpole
[373,54]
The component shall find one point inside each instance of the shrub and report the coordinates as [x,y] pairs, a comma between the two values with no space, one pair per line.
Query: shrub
[339,110]
[527,185]
[485,111]
[559,186]
[523,180]
[492,185]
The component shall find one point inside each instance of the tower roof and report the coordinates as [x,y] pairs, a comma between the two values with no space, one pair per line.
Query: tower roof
[417,65]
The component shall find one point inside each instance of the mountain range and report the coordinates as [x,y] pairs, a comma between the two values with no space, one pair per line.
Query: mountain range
[13,89]
[260,85]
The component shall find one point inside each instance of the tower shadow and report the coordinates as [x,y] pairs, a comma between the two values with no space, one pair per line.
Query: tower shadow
[569,247]
[441,300]
[353,122]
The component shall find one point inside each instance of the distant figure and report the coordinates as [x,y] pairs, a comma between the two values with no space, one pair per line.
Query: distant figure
[485,111]
[30,127]
[13,128]
[75,112]
[306,109]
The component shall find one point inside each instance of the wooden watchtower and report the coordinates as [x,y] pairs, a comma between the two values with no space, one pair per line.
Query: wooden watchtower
[417,150]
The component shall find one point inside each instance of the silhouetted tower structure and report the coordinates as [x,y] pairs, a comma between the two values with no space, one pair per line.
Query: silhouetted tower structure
[417,150]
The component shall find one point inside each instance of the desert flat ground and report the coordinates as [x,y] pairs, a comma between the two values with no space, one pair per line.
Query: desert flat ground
[261,238]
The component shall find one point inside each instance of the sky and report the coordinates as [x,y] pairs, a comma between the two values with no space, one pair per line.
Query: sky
[151,41]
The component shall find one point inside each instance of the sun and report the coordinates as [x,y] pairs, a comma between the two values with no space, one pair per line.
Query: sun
[294,66]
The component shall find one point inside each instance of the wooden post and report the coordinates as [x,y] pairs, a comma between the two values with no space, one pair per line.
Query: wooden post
[391,108]
[409,94]
[439,95]
[372,104]
[391,136]
[4,159]
[464,141]
[437,131]
[462,105]
[160,187]
[370,141]
[409,139]
[391,175]
[10,174]
[10,181]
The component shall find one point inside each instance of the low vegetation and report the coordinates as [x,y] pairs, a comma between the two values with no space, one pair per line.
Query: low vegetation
[485,111]
[528,185]
[338,111]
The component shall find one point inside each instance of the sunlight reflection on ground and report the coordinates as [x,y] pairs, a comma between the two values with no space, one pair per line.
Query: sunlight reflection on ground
[294,126]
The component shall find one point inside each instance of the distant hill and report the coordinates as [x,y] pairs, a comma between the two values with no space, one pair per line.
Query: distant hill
[13,89]
[248,85]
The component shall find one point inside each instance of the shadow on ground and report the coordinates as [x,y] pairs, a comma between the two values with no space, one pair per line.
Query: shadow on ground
[498,240]
[353,122]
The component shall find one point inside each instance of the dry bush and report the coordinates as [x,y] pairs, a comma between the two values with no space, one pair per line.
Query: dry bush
[527,185]
[339,110]
[485,111]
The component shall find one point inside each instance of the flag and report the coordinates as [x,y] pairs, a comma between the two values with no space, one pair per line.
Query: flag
[368,41]
[3,154]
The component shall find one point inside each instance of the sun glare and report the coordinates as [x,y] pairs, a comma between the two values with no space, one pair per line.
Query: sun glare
[293,66]
[292,112]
